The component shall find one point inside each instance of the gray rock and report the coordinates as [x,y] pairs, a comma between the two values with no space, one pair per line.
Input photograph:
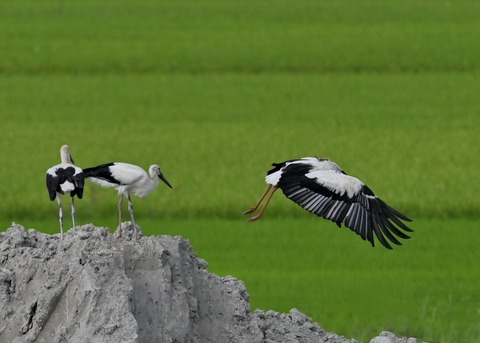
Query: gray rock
[92,286]
[388,337]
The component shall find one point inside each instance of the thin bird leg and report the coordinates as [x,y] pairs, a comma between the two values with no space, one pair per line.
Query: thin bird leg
[120,203]
[254,208]
[60,215]
[74,212]
[130,208]
[259,214]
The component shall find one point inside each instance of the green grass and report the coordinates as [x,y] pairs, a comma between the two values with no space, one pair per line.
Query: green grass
[428,288]
[215,91]
[410,137]
[254,36]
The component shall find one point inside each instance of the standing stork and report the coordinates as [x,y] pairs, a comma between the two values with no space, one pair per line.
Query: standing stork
[62,178]
[126,178]
[321,187]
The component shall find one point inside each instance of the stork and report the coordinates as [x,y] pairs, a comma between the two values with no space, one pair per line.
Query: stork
[63,178]
[321,187]
[126,178]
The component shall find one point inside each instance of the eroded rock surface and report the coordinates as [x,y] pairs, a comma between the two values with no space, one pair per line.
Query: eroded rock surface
[92,286]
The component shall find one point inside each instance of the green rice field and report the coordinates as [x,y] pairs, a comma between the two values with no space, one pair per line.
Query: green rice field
[215,92]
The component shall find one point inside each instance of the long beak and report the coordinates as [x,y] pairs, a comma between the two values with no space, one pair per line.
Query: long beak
[71,159]
[164,179]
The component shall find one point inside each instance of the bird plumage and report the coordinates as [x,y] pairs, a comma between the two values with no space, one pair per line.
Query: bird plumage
[64,178]
[126,178]
[321,187]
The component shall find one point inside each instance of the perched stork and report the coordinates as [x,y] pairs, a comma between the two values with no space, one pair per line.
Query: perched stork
[126,178]
[62,178]
[320,186]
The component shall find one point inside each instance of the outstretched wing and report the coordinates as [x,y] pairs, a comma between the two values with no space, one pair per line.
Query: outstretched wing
[341,198]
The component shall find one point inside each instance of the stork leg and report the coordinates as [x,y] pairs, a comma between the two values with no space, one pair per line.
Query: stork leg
[74,212]
[120,203]
[130,208]
[254,208]
[60,215]
[259,214]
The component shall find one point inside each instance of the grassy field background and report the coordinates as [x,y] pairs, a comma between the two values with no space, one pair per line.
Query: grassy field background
[216,91]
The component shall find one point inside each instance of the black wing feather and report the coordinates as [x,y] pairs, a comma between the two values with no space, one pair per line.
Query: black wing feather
[364,213]
[101,172]
[79,181]
[62,175]
[52,186]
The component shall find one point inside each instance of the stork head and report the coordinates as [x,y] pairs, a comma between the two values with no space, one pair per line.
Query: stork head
[65,155]
[156,172]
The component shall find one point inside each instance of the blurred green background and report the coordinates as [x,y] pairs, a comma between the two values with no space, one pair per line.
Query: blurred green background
[215,91]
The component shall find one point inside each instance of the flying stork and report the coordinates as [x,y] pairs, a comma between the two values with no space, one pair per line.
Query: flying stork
[62,178]
[321,187]
[126,178]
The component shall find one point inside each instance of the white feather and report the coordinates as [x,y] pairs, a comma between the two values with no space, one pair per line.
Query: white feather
[336,182]
[126,173]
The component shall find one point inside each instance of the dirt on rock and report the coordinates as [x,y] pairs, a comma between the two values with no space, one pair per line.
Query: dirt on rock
[92,286]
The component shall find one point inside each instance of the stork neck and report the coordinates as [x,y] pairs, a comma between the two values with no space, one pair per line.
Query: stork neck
[65,156]
[148,185]
[154,179]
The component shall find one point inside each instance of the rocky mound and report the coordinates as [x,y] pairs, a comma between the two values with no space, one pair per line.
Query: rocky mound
[91,286]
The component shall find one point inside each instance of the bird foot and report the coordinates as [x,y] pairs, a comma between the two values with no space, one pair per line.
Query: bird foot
[253,219]
[250,210]
[129,231]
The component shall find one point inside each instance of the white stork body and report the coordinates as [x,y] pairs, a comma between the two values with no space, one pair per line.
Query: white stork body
[320,186]
[63,178]
[126,179]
